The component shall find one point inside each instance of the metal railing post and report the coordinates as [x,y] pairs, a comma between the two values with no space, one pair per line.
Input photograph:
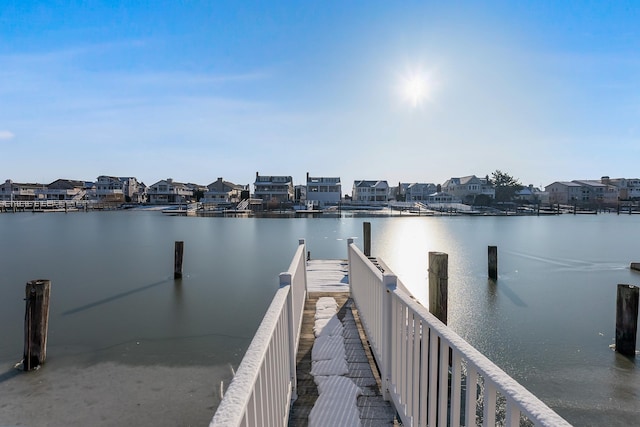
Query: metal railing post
[285,280]
[389,283]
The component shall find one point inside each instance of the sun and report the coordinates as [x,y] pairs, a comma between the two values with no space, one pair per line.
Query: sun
[415,89]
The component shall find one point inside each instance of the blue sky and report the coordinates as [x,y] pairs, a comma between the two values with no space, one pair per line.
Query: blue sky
[196,90]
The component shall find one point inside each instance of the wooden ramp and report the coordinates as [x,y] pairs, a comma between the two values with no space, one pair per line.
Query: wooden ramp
[330,278]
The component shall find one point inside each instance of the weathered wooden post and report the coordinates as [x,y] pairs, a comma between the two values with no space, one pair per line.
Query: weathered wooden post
[493,262]
[438,284]
[177,263]
[36,323]
[366,229]
[626,319]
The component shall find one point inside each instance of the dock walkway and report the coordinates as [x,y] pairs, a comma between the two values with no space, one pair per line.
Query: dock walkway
[329,278]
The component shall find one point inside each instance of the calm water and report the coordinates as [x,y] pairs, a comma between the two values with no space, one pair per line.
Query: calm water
[548,321]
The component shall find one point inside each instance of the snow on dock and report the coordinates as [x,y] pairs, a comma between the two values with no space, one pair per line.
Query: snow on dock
[328,275]
[323,398]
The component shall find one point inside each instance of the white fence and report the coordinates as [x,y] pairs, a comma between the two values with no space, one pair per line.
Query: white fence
[265,383]
[430,373]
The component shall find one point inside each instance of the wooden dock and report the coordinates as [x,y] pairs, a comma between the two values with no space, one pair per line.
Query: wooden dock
[329,278]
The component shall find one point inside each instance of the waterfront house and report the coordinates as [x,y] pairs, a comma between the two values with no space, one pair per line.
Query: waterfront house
[368,192]
[323,191]
[273,188]
[197,190]
[441,197]
[532,194]
[564,192]
[222,191]
[598,193]
[134,191]
[398,193]
[109,188]
[169,191]
[582,192]
[628,188]
[419,192]
[467,188]
[64,189]
[14,191]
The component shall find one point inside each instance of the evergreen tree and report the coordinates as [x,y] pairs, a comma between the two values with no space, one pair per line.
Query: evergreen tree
[505,185]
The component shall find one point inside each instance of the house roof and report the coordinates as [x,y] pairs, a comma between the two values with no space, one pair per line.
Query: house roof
[67,183]
[565,183]
[370,184]
[590,183]
[462,180]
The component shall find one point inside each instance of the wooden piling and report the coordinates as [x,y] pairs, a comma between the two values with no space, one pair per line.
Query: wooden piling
[36,323]
[493,262]
[626,319]
[366,230]
[438,284]
[177,269]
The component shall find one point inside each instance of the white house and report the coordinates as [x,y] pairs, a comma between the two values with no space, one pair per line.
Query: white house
[419,192]
[366,192]
[322,191]
[169,191]
[440,197]
[14,191]
[273,188]
[109,188]
[467,188]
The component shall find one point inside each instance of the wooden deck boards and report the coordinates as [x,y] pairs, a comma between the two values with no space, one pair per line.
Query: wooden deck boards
[374,411]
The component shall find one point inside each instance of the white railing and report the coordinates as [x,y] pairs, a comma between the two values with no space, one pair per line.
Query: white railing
[42,203]
[432,376]
[265,383]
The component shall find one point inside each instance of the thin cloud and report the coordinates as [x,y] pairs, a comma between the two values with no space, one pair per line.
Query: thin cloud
[5,135]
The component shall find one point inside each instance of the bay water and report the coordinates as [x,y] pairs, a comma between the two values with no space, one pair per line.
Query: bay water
[128,344]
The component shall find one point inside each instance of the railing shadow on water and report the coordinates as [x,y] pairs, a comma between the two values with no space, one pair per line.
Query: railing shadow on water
[115,297]
[9,374]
